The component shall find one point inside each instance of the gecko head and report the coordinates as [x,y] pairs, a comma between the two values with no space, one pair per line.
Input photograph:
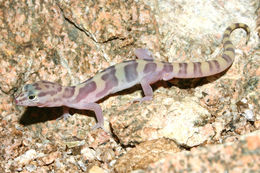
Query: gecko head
[37,94]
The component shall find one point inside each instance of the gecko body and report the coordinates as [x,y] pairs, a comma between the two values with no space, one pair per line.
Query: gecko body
[144,70]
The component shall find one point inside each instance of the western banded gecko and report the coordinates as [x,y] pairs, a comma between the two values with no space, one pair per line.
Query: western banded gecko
[144,70]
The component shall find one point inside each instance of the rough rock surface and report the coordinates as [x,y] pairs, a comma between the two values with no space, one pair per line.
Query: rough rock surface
[239,156]
[209,124]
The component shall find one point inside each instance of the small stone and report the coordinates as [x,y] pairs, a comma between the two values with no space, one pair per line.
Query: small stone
[88,154]
[96,169]
[28,156]
[50,158]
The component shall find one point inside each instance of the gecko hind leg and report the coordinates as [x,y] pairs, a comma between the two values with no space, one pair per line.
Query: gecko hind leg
[146,86]
[143,54]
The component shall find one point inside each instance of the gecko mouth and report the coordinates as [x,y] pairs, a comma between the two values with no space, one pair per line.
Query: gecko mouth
[17,102]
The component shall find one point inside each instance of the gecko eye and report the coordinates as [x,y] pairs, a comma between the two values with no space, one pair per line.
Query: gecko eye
[31,97]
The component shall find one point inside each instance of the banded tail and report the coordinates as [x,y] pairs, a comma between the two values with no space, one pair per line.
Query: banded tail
[215,66]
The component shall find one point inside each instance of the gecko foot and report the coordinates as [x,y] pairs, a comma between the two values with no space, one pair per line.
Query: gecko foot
[99,125]
[65,116]
[140,100]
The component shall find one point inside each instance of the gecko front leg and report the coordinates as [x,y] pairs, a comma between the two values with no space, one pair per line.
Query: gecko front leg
[99,115]
[66,114]
[98,112]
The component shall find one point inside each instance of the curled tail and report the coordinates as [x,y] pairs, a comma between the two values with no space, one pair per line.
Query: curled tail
[228,55]
[199,69]
[215,66]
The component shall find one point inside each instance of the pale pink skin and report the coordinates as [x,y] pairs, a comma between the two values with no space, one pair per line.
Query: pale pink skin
[124,75]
